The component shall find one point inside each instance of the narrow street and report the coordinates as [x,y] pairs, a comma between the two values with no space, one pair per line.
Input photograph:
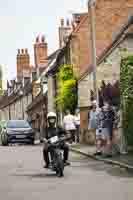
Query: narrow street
[22,178]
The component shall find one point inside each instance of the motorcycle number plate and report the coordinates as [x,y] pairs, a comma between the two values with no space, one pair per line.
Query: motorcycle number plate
[54,139]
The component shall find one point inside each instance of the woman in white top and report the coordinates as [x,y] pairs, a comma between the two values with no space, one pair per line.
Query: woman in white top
[77,123]
[69,124]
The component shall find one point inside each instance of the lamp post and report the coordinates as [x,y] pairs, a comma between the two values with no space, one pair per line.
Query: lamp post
[22,103]
[91,9]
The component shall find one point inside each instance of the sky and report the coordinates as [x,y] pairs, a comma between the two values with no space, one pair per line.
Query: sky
[22,21]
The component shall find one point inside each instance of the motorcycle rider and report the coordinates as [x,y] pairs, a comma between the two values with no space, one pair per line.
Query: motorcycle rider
[52,131]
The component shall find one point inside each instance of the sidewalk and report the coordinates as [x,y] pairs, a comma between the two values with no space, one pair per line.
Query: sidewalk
[124,161]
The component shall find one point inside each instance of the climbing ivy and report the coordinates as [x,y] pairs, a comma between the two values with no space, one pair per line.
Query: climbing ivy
[126,93]
[67,91]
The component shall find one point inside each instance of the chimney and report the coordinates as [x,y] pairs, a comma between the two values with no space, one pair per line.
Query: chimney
[23,63]
[18,58]
[27,59]
[40,52]
[64,30]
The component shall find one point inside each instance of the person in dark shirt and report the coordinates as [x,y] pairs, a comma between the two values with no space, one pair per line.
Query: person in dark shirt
[52,131]
[107,126]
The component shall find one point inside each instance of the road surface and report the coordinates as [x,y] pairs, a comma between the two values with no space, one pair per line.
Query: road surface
[23,178]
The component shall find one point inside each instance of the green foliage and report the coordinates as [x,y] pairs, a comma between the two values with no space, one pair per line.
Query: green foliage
[126,92]
[67,93]
[65,73]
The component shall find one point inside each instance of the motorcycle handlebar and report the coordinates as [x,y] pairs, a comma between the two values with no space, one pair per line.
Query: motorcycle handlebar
[61,139]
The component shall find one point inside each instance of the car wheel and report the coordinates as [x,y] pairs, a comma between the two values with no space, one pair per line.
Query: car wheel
[4,139]
[32,142]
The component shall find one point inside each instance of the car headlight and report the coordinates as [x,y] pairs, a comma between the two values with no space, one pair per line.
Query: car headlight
[29,132]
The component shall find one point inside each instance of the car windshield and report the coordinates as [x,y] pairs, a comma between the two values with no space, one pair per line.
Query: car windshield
[18,124]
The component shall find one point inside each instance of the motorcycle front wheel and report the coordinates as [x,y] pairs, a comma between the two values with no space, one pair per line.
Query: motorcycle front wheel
[59,165]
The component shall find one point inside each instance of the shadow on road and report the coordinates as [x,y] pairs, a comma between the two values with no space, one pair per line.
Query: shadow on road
[39,175]
[101,167]
[110,169]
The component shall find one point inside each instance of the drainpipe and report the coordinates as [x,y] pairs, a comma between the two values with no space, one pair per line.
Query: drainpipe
[91,9]
[9,112]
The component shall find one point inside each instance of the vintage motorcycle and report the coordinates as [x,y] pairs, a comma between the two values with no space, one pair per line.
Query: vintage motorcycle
[56,156]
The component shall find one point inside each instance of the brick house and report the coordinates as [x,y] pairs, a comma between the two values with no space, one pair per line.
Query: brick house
[111,15]
[108,66]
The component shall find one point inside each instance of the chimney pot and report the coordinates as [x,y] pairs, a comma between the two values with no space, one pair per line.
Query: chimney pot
[37,39]
[18,51]
[62,22]
[22,51]
[43,39]
[67,22]
[26,51]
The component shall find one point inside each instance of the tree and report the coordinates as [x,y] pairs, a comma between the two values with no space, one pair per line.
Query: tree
[67,92]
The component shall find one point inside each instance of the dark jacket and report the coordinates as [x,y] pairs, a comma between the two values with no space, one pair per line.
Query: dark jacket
[54,131]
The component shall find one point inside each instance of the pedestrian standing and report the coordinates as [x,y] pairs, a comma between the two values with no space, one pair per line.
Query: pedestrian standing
[108,117]
[92,119]
[100,139]
[77,123]
[69,124]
